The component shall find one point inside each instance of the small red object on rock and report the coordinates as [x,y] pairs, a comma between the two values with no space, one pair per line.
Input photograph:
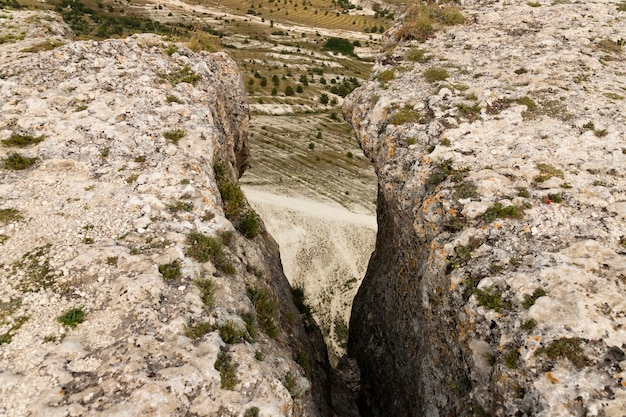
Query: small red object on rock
[547,200]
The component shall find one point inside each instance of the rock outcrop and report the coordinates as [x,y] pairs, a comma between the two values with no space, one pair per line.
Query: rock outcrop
[125,288]
[498,280]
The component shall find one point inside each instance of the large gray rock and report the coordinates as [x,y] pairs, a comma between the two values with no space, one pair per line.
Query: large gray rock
[498,280]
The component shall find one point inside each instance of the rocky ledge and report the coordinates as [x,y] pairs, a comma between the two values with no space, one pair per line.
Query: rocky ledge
[126,288]
[498,280]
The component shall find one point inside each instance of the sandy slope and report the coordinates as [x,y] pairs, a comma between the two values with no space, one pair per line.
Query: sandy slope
[324,247]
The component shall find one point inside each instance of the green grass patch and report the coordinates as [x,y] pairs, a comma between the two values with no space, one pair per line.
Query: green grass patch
[72,317]
[417,55]
[6,337]
[566,348]
[184,75]
[435,74]
[10,215]
[171,271]
[386,76]
[405,115]
[204,248]
[207,288]
[174,135]
[17,140]
[231,333]
[511,357]
[198,330]
[17,162]
[180,206]
[529,300]
[498,211]
[491,299]
[546,172]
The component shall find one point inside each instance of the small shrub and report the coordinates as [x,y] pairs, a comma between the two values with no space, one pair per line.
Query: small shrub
[72,317]
[251,326]
[10,215]
[207,289]
[511,358]
[112,260]
[299,299]
[442,170]
[173,99]
[521,71]
[267,310]
[289,91]
[250,225]
[259,356]
[566,348]
[529,300]
[21,141]
[232,196]
[386,76]
[171,271]
[184,75]
[302,358]
[174,135]
[198,330]
[435,74]
[555,198]
[469,112]
[228,374]
[204,248]
[454,224]
[610,46]
[490,298]
[252,412]
[17,162]
[465,189]
[291,384]
[131,178]
[180,206]
[498,211]
[528,324]
[231,333]
[416,55]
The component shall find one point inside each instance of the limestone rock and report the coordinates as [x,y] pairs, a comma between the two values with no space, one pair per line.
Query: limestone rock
[497,284]
[125,139]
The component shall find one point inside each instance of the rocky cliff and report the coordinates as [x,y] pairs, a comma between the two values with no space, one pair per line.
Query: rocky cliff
[498,280]
[135,279]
